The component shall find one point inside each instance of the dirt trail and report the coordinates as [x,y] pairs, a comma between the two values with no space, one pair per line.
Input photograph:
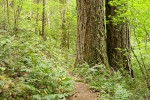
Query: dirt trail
[82,92]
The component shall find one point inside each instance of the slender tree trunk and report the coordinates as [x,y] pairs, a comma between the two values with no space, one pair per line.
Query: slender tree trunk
[118,41]
[4,22]
[31,8]
[7,12]
[91,38]
[37,17]
[48,19]
[17,12]
[64,34]
[43,21]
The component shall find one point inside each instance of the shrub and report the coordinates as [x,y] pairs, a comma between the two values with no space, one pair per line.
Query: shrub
[28,70]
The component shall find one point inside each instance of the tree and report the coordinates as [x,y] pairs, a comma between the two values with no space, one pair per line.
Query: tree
[91,38]
[64,39]
[43,21]
[37,17]
[7,3]
[118,40]
[4,10]
[17,11]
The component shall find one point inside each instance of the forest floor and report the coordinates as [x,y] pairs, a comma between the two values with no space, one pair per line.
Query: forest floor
[81,91]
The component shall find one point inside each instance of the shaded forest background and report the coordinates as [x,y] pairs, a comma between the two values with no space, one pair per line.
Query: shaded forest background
[39,47]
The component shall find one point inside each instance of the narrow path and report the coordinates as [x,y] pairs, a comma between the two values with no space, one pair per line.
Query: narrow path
[82,92]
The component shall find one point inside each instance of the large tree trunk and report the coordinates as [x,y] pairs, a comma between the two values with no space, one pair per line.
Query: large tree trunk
[91,38]
[118,41]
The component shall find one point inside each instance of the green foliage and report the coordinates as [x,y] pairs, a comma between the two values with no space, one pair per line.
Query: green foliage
[136,14]
[111,85]
[122,94]
[31,68]
[28,69]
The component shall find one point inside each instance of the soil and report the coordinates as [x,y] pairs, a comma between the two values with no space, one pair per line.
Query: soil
[82,91]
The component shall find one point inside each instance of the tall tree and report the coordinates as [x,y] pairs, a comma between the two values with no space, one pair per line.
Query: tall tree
[64,39]
[17,12]
[43,21]
[91,38]
[4,8]
[37,17]
[7,3]
[118,40]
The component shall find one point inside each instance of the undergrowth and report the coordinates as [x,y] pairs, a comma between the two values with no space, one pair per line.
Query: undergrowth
[112,86]
[30,69]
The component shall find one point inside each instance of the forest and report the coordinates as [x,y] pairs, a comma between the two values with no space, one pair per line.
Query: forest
[74,50]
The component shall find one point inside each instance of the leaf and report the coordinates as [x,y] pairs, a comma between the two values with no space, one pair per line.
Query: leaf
[37,97]
[1,83]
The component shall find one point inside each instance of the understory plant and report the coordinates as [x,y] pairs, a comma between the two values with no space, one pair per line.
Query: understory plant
[112,85]
[30,70]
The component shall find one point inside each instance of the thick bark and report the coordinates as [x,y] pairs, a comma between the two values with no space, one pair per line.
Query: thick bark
[91,38]
[118,41]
